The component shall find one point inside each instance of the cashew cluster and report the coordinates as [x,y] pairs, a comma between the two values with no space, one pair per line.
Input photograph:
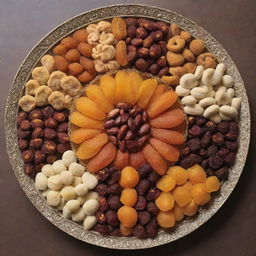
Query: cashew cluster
[104,42]
[209,93]
[66,185]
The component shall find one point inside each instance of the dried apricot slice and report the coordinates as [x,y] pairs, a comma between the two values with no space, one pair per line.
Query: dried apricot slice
[127,216]
[188,186]
[103,158]
[196,174]
[123,93]
[137,159]
[80,120]
[166,183]
[129,197]
[166,219]
[212,184]
[129,177]
[179,174]
[165,201]
[199,194]
[168,136]
[181,196]
[178,213]
[91,147]
[160,89]
[82,134]
[190,209]
[134,81]
[168,119]
[87,107]
[108,87]
[121,160]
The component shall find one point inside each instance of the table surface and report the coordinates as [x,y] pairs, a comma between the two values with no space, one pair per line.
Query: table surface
[24,231]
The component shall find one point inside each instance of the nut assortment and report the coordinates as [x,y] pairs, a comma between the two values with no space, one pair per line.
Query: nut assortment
[152,139]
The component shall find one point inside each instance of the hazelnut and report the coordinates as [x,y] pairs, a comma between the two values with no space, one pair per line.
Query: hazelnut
[197,46]
[27,156]
[49,133]
[131,22]
[38,133]
[154,69]
[23,144]
[131,31]
[51,123]
[162,62]
[136,42]
[35,114]
[50,159]
[25,125]
[48,111]
[163,27]
[141,64]
[36,143]
[141,33]
[59,117]
[143,52]
[163,72]
[28,168]
[128,40]
[61,148]
[39,157]
[63,127]
[49,147]
[37,123]
[62,137]
[23,134]
[21,116]
[155,51]
[157,35]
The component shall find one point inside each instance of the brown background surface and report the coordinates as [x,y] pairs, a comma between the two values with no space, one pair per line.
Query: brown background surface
[23,230]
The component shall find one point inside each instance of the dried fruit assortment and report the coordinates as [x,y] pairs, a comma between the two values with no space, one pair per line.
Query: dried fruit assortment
[152,139]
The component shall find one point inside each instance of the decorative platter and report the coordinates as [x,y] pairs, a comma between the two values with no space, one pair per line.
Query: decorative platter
[232,78]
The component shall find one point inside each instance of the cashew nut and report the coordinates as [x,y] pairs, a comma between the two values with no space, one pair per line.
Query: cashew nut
[71,85]
[182,91]
[207,75]
[31,87]
[195,110]
[210,111]
[188,100]
[200,92]
[54,80]
[218,74]
[42,94]
[231,94]
[229,111]
[224,117]
[57,100]
[206,102]
[107,38]
[227,80]
[41,75]
[48,62]
[188,81]
[236,103]
[199,72]
[103,26]
[216,118]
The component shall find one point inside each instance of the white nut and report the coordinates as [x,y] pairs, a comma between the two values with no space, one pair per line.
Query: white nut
[76,169]
[188,81]
[76,181]
[71,85]
[59,166]
[68,193]
[66,212]
[81,189]
[216,118]
[112,65]
[66,178]
[224,117]
[73,205]
[68,101]
[207,75]
[199,92]
[182,91]
[221,96]
[54,182]
[210,111]
[81,199]
[54,80]
[53,198]
[107,38]
[42,95]
[41,75]
[69,157]
[104,26]
[89,222]
[211,92]
[27,103]
[206,102]
[90,206]
[57,100]
[227,81]
[93,37]
[31,87]
[48,170]
[231,94]
[48,62]
[79,215]
[61,205]
[90,180]
[195,110]
[229,111]
[41,181]
[236,103]
[188,100]
[108,53]
[45,193]
[100,66]
[92,28]
[218,74]
[199,72]
[91,195]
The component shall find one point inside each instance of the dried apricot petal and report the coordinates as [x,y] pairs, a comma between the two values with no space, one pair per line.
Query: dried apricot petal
[165,201]
[196,174]
[121,53]
[181,196]
[85,49]
[179,174]
[122,87]
[137,159]
[134,81]
[81,120]
[129,197]
[199,194]
[82,134]
[121,160]
[178,213]
[188,186]
[166,183]
[212,184]
[190,209]
[129,177]
[108,87]
[127,216]
[80,35]
[168,136]
[160,89]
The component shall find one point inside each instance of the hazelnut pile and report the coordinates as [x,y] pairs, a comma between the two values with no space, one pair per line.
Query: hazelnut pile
[42,137]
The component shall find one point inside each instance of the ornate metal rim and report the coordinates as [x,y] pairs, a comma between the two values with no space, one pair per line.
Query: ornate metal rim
[71,228]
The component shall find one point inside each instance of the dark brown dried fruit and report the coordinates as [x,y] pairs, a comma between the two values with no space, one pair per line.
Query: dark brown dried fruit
[38,133]
[114,177]
[101,228]
[22,144]
[100,216]
[211,126]
[141,203]
[232,145]
[28,169]
[37,123]
[62,137]
[212,150]
[143,217]
[143,186]
[25,125]
[152,228]
[114,189]
[49,147]
[35,114]
[231,135]
[63,127]
[218,139]
[36,143]
[61,148]
[39,157]
[114,202]
[153,177]
[131,22]
[200,121]
[152,208]
[103,204]
[152,194]
[59,117]
[230,158]
[51,158]
[50,122]
[111,218]
[50,133]
[139,231]
[195,131]
[101,189]
[206,139]
[223,127]
[48,111]
[215,162]
[144,170]
[27,156]
[222,173]
[193,144]
[209,172]
[21,116]
[102,175]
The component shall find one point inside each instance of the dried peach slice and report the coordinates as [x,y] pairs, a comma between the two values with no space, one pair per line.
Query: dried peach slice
[154,159]
[168,136]
[168,119]
[91,147]
[166,219]
[103,158]
[161,104]
[137,159]
[82,134]
[148,88]
[121,160]
[123,93]
[87,107]
[95,94]
[167,151]
[160,89]
[127,216]
[134,81]
[84,121]
[108,87]
[165,201]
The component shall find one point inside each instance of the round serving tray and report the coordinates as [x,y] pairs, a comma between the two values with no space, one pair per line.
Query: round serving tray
[27,184]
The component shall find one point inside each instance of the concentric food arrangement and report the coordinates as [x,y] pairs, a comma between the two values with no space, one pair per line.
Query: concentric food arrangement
[128,126]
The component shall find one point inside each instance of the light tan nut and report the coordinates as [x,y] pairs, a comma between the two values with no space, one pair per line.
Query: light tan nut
[121,53]
[104,26]
[93,37]
[87,64]
[190,67]
[176,44]
[100,66]
[171,80]
[206,102]
[236,103]
[177,71]
[68,193]
[174,29]
[175,59]
[112,65]
[42,94]
[200,92]
[188,55]
[211,110]
[216,118]
[195,110]
[185,35]
[57,100]
[54,80]
[48,62]
[89,222]
[106,38]
[118,27]
[197,46]
[92,28]
[71,85]
[68,101]
[103,52]
[31,87]
[227,81]
[229,111]
[188,100]
[27,103]
[224,117]
[41,75]
[207,60]
[182,91]
[53,198]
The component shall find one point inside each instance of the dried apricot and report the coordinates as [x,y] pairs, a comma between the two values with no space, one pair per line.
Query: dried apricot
[190,209]
[212,184]
[168,136]
[87,107]
[88,65]
[196,174]
[127,216]
[129,177]
[60,50]
[85,77]
[121,53]
[134,81]
[75,68]
[69,42]
[122,87]
[121,160]
[165,201]
[166,219]
[89,148]
[103,158]
[160,89]
[85,49]
[137,159]
[188,186]
[72,55]
[81,35]
[118,27]
[82,134]
[178,213]
[129,197]
[60,63]
[181,196]
[166,183]
[84,121]
[199,194]
[125,231]
[108,87]
[179,174]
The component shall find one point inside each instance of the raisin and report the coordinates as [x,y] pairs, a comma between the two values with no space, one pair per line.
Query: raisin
[142,187]
[230,158]
[103,204]
[204,163]
[206,139]
[101,228]
[232,145]
[152,208]
[185,151]
[209,172]
[153,177]
[231,135]
[114,177]
[143,217]
[200,121]
[101,189]
[141,203]
[222,152]
[139,231]
[223,127]
[116,232]
[152,228]
[211,126]
[193,144]
[218,139]
[111,218]
[114,189]
[191,120]
[114,202]
[195,131]
[102,175]
[144,170]
[215,162]
[152,194]
[222,173]
[212,150]
[100,216]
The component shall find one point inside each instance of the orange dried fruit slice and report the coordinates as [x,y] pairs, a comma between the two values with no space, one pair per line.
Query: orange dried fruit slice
[166,219]
[196,174]
[134,81]
[168,136]
[80,120]
[123,93]
[181,196]
[129,197]
[190,209]
[137,159]
[108,87]
[82,134]
[129,177]
[199,194]
[160,89]
[127,216]
[121,160]
[166,183]
[165,201]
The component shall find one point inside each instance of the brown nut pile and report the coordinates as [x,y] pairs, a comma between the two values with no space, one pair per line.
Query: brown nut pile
[211,145]
[128,127]
[42,137]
